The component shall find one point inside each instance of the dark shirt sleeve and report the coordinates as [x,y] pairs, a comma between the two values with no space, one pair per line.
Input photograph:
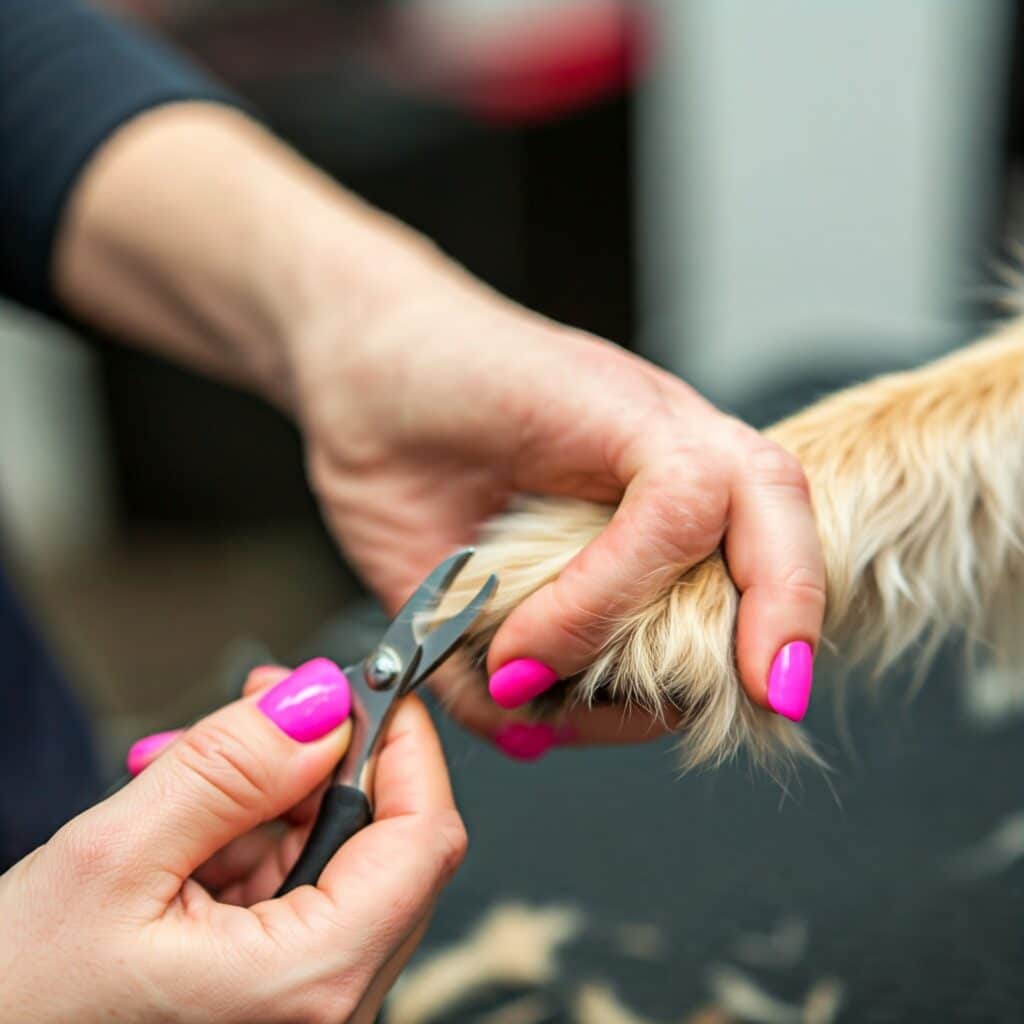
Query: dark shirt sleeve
[48,768]
[69,76]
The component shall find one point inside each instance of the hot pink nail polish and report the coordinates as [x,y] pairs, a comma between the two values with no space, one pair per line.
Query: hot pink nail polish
[789,681]
[525,741]
[519,681]
[310,702]
[143,752]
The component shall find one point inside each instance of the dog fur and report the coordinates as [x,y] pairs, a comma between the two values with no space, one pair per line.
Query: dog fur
[917,481]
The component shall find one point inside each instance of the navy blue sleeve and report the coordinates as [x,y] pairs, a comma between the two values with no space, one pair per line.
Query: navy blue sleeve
[69,76]
[48,768]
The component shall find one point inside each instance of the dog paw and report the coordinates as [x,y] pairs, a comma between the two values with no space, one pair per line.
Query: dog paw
[672,657]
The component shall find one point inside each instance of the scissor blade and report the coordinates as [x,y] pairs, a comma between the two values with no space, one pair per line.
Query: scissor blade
[440,642]
[401,634]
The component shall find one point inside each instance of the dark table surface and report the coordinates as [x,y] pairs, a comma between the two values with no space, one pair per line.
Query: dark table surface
[869,859]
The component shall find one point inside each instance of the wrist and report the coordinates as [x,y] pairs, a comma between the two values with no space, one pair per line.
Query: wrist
[365,290]
[356,269]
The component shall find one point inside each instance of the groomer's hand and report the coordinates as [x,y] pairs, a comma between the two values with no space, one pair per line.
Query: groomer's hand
[428,401]
[156,904]
[457,400]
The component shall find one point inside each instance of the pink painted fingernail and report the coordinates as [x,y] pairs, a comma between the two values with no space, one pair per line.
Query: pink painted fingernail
[525,741]
[143,752]
[310,702]
[789,681]
[519,681]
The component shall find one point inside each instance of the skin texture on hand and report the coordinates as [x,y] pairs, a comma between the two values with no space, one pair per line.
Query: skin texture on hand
[156,904]
[453,406]
[427,401]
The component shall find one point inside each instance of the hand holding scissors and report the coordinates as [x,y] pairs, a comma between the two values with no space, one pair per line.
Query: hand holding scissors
[402,659]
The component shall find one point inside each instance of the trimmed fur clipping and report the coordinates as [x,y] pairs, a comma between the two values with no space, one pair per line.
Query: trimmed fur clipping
[514,944]
[917,481]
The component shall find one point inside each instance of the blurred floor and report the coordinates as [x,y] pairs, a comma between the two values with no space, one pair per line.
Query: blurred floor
[154,628]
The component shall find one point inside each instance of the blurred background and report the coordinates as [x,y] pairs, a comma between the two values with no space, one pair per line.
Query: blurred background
[771,200]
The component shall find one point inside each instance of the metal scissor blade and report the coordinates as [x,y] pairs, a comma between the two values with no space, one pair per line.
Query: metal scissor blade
[401,634]
[440,642]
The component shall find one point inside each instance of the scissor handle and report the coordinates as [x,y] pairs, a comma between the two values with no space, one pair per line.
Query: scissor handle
[344,810]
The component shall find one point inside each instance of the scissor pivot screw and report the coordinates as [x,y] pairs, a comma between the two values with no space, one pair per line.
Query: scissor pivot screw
[382,669]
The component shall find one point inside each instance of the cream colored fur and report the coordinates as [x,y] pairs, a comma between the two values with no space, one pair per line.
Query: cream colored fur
[917,481]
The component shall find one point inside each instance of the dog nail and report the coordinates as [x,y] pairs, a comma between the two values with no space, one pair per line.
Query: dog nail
[525,741]
[143,752]
[789,681]
[310,702]
[519,681]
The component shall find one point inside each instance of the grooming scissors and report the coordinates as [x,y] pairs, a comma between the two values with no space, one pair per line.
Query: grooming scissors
[402,659]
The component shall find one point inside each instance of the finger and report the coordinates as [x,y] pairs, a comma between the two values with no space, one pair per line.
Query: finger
[262,678]
[580,725]
[145,751]
[370,1004]
[774,557]
[672,515]
[265,877]
[243,765]
[402,785]
[238,859]
[378,886]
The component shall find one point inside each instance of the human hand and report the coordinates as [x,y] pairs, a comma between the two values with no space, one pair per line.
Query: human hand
[427,401]
[156,904]
[454,402]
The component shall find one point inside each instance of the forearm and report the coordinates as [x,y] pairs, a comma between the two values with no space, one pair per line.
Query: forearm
[195,233]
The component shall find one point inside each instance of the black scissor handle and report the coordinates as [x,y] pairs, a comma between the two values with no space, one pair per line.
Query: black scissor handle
[344,810]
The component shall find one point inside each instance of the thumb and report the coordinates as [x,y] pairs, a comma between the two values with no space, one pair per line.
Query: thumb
[243,765]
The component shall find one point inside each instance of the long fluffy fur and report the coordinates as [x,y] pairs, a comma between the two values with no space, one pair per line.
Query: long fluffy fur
[917,481]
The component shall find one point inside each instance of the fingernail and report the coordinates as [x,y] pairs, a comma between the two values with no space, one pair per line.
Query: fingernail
[310,702]
[789,681]
[520,681]
[143,752]
[525,741]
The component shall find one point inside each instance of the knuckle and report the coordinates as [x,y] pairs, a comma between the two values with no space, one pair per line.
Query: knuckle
[452,841]
[804,584]
[579,631]
[768,464]
[91,851]
[687,511]
[223,764]
[688,465]
[740,436]
[573,617]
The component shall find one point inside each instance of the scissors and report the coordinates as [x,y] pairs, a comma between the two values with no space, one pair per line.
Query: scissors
[402,659]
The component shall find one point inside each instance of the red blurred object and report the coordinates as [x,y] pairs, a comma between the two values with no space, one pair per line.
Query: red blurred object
[511,64]
[550,62]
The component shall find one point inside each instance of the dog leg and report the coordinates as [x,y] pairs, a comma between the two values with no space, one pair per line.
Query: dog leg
[917,481]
